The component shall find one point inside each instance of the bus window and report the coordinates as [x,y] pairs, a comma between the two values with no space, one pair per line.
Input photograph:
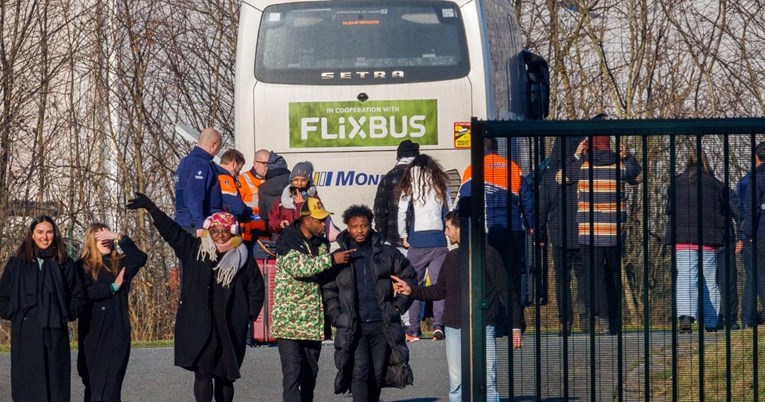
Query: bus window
[352,43]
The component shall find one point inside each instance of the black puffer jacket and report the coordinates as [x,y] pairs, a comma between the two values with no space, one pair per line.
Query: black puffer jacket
[340,305]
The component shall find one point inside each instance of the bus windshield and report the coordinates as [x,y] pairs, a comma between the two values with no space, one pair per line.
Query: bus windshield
[360,42]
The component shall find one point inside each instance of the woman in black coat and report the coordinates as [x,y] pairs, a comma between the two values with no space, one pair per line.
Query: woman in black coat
[221,292]
[40,291]
[104,326]
[370,348]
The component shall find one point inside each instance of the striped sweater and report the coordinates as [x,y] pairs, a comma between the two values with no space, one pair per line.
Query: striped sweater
[598,195]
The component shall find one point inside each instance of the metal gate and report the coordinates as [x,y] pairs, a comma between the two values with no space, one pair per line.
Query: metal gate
[662,302]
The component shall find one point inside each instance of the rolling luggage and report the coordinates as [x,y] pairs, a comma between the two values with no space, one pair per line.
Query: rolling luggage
[260,329]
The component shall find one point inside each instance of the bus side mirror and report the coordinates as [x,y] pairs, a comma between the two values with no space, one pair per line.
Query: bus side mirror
[537,86]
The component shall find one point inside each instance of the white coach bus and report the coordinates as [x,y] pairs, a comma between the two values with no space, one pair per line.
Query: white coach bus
[342,83]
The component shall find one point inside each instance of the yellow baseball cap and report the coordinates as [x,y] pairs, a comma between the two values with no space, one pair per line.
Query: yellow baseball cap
[314,208]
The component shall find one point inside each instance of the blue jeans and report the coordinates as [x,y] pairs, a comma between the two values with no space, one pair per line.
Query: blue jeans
[688,286]
[454,363]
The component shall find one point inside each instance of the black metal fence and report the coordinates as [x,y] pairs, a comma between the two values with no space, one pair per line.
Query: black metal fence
[663,261]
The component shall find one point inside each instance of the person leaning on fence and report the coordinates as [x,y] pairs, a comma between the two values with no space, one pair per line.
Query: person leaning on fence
[222,291]
[370,348]
[41,290]
[298,313]
[596,168]
[684,206]
[753,224]
[109,261]
[448,288]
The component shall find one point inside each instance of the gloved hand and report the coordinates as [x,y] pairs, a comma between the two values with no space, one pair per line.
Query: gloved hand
[141,201]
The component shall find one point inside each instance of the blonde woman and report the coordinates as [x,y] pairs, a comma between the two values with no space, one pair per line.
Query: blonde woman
[109,261]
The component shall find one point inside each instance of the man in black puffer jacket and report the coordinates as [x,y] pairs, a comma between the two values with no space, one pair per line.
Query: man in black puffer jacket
[370,350]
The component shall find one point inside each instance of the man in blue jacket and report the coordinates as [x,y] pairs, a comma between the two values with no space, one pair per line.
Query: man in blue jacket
[753,223]
[197,191]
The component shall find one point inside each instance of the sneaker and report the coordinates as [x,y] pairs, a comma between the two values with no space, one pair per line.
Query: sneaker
[684,326]
[602,326]
[412,338]
[438,334]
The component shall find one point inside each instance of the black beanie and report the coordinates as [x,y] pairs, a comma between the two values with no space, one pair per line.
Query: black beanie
[407,149]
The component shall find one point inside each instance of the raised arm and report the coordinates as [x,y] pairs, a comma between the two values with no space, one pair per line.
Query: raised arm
[179,240]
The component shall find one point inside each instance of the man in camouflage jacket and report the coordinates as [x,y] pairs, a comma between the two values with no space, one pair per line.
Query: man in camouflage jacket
[298,314]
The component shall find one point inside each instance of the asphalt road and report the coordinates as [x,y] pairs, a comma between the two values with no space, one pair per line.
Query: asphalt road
[151,375]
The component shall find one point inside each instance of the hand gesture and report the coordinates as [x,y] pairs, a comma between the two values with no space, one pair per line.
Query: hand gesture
[623,151]
[141,201]
[517,339]
[106,236]
[342,257]
[401,286]
[120,278]
[582,148]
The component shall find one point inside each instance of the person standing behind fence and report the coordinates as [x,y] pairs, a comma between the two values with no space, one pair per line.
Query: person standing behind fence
[553,208]
[109,261]
[422,206]
[685,206]
[360,301]
[505,229]
[448,288]
[222,291]
[298,314]
[40,292]
[197,190]
[753,223]
[596,169]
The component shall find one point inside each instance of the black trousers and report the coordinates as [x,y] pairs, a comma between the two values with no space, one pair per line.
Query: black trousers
[728,289]
[370,357]
[567,260]
[511,246]
[749,315]
[300,366]
[602,268]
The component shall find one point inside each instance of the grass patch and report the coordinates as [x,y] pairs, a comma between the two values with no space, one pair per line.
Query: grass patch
[715,372]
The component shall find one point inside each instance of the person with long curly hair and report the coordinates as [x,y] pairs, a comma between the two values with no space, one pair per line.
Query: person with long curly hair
[40,292]
[109,261]
[423,203]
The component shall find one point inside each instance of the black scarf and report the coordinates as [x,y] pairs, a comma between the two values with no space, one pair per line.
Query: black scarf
[41,283]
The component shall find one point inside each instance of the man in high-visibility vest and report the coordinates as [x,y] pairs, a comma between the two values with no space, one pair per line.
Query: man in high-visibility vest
[231,163]
[249,182]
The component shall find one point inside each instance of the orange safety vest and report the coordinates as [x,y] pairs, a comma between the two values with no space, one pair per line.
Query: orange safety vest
[248,190]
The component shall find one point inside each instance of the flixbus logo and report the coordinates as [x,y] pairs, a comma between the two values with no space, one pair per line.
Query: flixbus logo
[362,124]
[346,178]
